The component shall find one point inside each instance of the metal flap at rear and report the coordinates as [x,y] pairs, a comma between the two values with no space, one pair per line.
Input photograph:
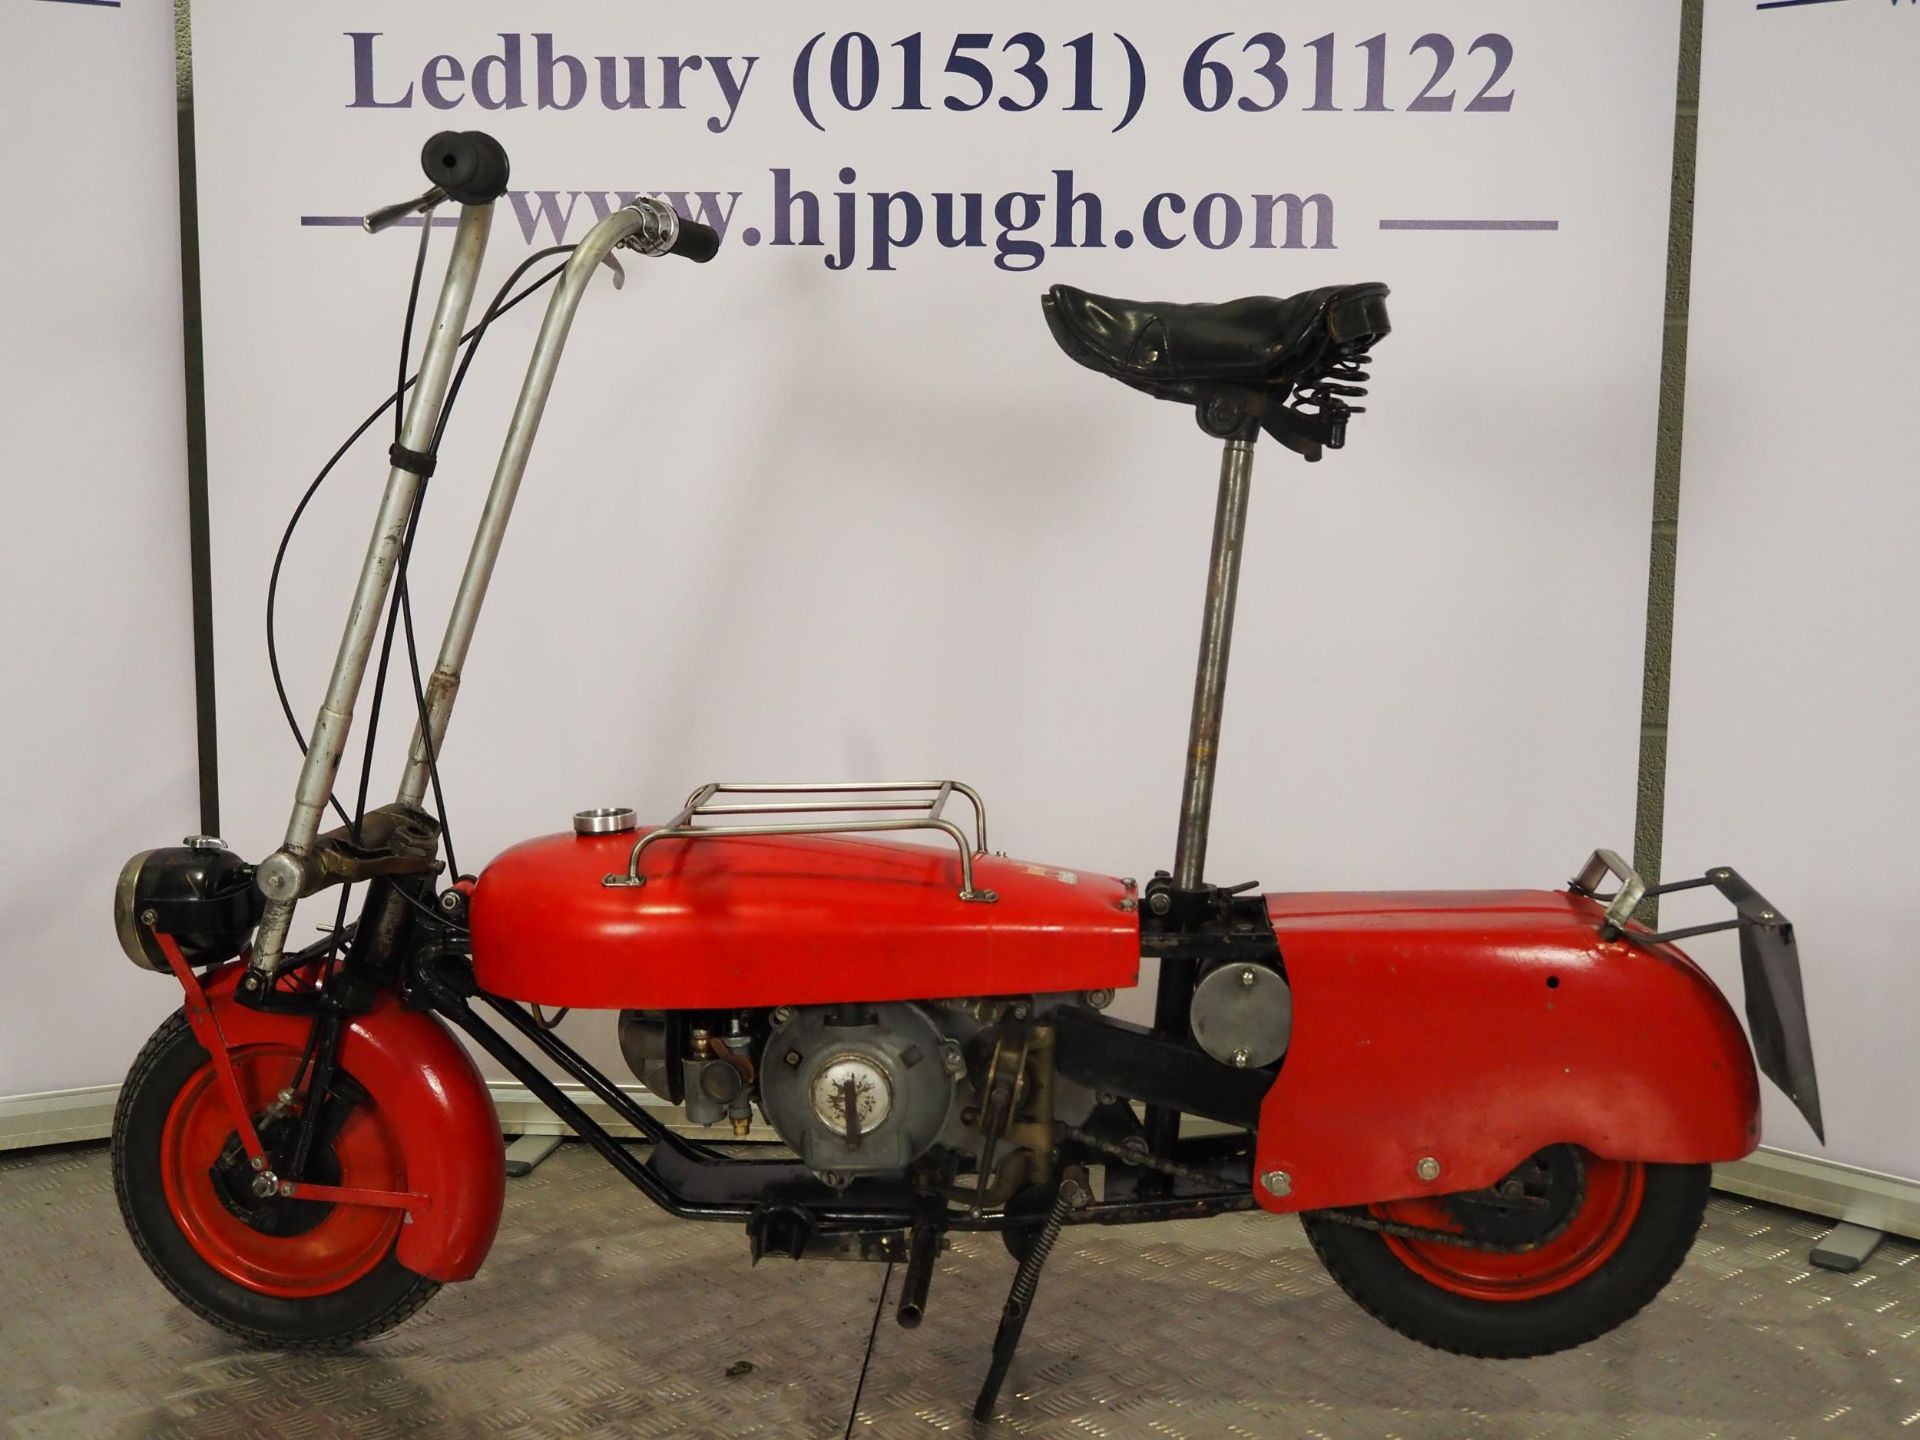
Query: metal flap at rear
[1769,967]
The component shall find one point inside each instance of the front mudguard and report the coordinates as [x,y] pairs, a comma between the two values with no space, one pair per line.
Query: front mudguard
[449,1133]
[1440,1041]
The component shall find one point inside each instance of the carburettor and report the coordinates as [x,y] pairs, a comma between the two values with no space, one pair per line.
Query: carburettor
[707,1068]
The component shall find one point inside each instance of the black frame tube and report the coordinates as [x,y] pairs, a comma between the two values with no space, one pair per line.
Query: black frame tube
[584,1125]
[576,1064]
[826,1219]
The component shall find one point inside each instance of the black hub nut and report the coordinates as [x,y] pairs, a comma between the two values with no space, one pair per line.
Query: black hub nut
[233,1180]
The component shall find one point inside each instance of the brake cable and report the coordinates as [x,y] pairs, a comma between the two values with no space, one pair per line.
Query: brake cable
[500,305]
[386,648]
[320,1054]
[502,302]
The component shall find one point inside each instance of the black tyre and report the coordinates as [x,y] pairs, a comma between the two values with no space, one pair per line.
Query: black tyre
[1571,1246]
[284,1274]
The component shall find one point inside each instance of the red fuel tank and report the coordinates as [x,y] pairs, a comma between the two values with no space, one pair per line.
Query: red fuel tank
[788,920]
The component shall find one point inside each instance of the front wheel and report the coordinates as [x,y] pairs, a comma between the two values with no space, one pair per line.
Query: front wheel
[287,1274]
[1562,1250]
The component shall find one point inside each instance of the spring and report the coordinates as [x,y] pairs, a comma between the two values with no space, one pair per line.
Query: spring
[1027,1279]
[1328,389]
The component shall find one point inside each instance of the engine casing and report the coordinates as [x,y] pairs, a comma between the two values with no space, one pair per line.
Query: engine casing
[855,1089]
[916,1066]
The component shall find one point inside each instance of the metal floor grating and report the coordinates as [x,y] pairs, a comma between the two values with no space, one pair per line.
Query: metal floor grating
[598,1315]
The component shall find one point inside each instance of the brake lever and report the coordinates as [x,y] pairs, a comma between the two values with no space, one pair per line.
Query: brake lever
[388,216]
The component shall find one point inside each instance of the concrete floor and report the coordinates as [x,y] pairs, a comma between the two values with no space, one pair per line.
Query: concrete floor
[597,1315]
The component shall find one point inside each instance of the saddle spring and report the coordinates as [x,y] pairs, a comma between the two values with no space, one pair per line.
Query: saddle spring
[1325,391]
[1315,414]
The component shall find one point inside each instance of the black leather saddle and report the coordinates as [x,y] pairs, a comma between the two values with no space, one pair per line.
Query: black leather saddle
[1288,366]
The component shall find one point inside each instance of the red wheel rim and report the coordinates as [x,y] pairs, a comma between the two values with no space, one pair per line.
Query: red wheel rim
[342,1248]
[1614,1189]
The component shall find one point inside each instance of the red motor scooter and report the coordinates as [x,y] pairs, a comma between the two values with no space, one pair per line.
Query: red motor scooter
[1493,1111]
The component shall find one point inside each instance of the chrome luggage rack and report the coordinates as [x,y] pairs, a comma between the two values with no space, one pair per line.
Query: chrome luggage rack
[916,805]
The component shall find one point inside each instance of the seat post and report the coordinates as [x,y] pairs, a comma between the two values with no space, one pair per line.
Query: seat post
[1210,677]
[1173,996]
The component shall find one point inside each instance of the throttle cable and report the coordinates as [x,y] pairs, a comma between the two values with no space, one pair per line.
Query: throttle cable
[502,302]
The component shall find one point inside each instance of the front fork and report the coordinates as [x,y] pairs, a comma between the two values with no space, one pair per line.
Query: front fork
[330,1021]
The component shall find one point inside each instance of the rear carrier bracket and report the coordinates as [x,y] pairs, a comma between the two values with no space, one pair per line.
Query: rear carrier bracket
[862,807]
[1769,964]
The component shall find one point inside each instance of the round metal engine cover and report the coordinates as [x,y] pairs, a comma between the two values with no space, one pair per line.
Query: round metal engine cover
[1243,1014]
[887,1058]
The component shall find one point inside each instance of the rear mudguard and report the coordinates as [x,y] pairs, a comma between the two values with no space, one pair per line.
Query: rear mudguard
[412,1067]
[1441,1039]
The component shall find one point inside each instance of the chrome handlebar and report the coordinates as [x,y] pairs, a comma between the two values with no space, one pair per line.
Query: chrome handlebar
[648,226]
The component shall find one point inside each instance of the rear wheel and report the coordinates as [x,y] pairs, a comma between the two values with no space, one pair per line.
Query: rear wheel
[284,1273]
[1564,1249]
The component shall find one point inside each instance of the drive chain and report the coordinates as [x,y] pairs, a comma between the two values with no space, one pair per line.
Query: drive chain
[1358,1219]
[1138,1155]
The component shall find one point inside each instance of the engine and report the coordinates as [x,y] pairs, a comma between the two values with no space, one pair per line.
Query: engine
[860,1088]
[868,1089]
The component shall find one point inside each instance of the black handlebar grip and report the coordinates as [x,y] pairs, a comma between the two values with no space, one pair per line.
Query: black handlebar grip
[470,165]
[698,243]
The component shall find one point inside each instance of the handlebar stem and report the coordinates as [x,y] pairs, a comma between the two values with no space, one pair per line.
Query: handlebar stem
[644,221]
[281,876]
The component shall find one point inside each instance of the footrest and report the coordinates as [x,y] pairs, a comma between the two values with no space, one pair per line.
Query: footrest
[776,1181]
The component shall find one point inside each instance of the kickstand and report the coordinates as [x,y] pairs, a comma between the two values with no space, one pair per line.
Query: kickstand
[1072,1194]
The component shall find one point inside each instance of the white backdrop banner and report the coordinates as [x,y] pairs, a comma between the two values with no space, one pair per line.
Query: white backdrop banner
[1795,674]
[834,506]
[97,647]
